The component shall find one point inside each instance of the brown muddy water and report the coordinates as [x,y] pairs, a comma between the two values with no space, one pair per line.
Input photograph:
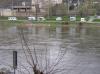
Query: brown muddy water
[55,50]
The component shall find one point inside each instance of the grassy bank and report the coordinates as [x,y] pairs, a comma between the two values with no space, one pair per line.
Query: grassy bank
[7,24]
[43,22]
[96,20]
[49,20]
[51,24]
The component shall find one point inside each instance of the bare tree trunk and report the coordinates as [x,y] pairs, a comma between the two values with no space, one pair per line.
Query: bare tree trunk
[37,71]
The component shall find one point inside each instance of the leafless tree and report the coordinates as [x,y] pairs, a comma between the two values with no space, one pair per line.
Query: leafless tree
[37,58]
[88,7]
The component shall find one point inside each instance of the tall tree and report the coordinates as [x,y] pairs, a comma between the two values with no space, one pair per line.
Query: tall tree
[87,8]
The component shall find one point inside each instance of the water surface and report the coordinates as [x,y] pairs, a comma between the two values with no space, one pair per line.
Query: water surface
[58,50]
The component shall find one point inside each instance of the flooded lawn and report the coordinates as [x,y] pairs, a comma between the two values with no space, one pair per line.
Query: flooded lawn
[55,50]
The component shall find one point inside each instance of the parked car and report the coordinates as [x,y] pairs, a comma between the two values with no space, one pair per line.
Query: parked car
[41,18]
[59,19]
[31,18]
[12,18]
[83,20]
[72,18]
[98,17]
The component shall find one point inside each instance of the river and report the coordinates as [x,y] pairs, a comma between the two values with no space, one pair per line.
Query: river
[55,50]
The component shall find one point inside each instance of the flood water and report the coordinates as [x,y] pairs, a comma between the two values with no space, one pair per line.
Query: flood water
[55,50]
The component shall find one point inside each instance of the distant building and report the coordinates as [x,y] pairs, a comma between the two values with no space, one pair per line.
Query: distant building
[15,7]
[25,7]
[5,12]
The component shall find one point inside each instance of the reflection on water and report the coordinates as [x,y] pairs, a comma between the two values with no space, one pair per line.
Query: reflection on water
[77,44]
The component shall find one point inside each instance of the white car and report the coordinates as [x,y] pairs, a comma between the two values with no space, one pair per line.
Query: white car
[59,19]
[31,18]
[72,18]
[83,20]
[41,18]
[12,18]
[98,17]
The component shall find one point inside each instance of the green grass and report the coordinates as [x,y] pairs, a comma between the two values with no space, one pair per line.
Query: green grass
[22,18]
[3,18]
[47,22]
[53,25]
[78,18]
[52,18]
[6,18]
[12,22]
[96,20]
[6,24]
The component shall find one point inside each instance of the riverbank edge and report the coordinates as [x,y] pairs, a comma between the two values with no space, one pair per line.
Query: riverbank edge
[50,22]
